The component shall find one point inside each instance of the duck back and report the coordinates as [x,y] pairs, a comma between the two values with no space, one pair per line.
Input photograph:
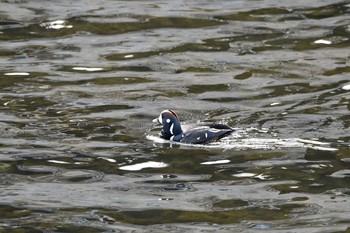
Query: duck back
[205,134]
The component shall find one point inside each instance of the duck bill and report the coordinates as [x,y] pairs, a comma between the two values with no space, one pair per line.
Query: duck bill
[156,120]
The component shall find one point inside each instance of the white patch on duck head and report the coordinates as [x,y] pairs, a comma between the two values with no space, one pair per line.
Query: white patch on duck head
[168,120]
[160,118]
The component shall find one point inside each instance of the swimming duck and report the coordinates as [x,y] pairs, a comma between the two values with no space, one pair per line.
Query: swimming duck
[192,134]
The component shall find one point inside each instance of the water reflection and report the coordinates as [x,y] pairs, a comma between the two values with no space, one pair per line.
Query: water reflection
[81,81]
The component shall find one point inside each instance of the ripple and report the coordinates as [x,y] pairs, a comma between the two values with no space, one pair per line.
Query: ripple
[80,176]
[89,69]
[322,41]
[180,187]
[17,74]
[81,82]
[216,162]
[341,174]
[38,169]
[56,25]
[140,166]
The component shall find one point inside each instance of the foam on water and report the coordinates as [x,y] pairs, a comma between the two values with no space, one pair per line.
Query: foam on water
[234,142]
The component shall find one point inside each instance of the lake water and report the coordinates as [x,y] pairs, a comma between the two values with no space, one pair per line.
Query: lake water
[81,81]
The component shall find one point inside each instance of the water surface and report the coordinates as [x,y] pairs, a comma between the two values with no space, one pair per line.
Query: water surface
[80,82]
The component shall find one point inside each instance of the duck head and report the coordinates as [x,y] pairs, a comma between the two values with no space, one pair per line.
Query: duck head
[171,125]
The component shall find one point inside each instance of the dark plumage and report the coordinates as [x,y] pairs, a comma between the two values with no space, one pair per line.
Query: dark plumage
[192,134]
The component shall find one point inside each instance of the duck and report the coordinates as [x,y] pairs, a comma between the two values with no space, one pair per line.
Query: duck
[202,133]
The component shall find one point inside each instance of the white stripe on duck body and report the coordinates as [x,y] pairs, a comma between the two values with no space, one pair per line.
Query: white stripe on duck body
[201,133]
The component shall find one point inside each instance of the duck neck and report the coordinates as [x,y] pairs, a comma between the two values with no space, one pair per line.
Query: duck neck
[176,131]
[176,128]
[171,130]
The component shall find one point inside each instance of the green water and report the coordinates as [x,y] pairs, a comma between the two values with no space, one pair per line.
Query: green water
[81,81]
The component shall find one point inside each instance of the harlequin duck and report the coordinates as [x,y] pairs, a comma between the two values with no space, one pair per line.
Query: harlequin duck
[191,134]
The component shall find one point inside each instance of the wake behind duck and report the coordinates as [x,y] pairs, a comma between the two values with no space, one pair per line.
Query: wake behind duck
[223,136]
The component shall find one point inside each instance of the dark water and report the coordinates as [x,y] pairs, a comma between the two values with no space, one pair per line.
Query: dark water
[80,82]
